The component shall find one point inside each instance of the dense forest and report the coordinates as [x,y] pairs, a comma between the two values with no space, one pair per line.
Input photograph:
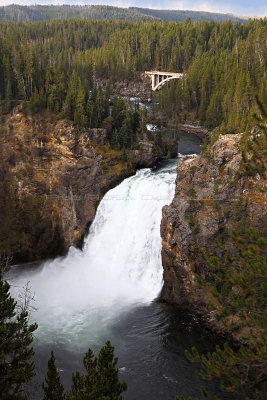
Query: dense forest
[54,65]
[34,13]
[182,15]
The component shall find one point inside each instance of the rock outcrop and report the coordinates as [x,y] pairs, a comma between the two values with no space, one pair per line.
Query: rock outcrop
[140,87]
[53,175]
[211,194]
[197,130]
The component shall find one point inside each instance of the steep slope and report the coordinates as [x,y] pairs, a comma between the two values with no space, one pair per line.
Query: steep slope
[182,15]
[34,13]
[213,196]
[53,175]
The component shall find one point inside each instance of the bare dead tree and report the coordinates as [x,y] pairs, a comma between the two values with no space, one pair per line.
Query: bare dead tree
[26,297]
[25,300]
[5,262]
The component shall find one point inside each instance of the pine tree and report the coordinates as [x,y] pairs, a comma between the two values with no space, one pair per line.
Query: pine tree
[53,388]
[8,97]
[101,381]
[124,154]
[79,113]
[16,335]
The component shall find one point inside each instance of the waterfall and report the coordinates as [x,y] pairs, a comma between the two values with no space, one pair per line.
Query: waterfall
[119,267]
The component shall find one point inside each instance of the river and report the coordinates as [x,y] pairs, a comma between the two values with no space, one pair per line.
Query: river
[108,291]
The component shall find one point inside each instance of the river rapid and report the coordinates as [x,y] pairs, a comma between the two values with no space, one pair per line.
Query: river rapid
[108,291]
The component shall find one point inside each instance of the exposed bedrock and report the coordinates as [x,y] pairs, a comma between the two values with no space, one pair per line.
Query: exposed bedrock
[53,175]
[210,196]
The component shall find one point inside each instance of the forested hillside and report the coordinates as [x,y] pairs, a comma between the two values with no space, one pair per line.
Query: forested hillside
[182,15]
[66,139]
[54,64]
[34,13]
[19,13]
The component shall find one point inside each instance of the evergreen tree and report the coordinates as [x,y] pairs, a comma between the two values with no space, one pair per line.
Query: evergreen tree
[224,65]
[53,389]
[238,290]
[124,154]
[79,113]
[8,98]
[16,336]
[239,293]
[101,381]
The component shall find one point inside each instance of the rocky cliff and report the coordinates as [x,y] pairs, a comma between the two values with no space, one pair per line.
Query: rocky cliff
[197,130]
[212,196]
[53,175]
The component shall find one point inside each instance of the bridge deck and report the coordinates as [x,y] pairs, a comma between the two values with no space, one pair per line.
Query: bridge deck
[160,78]
[164,73]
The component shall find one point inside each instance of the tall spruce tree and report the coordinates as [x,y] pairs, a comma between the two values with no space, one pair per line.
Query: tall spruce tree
[101,381]
[16,336]
[53,388]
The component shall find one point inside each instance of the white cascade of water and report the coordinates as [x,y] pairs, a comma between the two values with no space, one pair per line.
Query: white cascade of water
[120,265]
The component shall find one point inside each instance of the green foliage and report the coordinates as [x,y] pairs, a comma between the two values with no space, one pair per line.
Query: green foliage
[53,389]
[101,380]
[242,371]
[222,64]
[194,224]
[124,154]
[254,146]
[204,148]
[240,280]
[239,290]
[19,13]
[158,141]
[193,169]
[16,336]
[125,125]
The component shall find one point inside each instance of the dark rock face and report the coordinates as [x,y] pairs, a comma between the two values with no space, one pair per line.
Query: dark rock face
[208,196]
[55,175]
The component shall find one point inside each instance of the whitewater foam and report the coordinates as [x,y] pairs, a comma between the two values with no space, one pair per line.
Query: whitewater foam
[120,265]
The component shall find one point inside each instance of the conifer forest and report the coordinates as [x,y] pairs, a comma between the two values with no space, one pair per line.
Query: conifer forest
[132,221]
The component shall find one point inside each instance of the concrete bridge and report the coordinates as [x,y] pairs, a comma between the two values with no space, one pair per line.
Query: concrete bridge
[159,78]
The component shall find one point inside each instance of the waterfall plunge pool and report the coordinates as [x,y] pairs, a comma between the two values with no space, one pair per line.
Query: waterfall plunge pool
[108,291]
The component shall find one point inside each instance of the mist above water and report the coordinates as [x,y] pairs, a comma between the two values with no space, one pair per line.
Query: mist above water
[107,290]
[120,265]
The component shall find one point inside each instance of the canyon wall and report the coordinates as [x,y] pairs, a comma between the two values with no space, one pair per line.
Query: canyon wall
[212,197]
[53,175]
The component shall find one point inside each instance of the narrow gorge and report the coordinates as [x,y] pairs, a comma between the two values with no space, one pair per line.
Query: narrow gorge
[109,289]
[132,214]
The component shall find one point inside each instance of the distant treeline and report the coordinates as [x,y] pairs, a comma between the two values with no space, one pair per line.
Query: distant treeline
[54,65]
[34,13]
[182,15]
